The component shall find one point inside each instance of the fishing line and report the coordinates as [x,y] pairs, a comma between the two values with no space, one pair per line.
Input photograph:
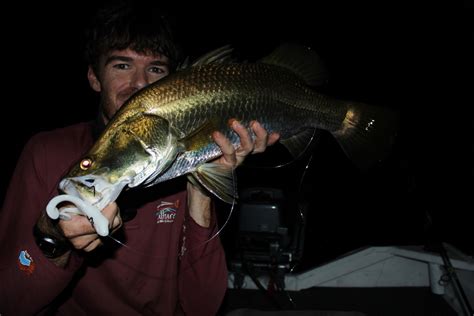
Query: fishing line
[300,189]
[234,186]
[310,143]
[301,215]
[278,166]
[302,218]
[143,254]
[119,242]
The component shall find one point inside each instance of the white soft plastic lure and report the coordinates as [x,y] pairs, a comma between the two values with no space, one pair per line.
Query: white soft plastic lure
[97,219]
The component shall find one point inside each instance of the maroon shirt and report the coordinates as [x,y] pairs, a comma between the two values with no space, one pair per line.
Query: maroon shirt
[154,273]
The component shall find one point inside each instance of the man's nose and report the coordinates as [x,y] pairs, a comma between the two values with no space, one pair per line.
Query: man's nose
[140,79]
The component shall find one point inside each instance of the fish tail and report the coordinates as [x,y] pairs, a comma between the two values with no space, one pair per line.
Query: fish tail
[367,133]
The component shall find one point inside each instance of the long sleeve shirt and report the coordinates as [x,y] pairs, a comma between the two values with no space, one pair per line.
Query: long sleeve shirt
[167,263]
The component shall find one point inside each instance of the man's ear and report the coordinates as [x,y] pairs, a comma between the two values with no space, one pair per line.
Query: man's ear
[93,81]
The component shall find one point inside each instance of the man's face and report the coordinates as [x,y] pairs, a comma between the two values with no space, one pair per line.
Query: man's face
[122,73]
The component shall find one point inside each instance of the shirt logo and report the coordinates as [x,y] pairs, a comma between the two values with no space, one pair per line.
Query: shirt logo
[166,212]
[26,263]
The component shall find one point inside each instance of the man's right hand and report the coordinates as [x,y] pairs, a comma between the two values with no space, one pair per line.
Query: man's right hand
[80,232]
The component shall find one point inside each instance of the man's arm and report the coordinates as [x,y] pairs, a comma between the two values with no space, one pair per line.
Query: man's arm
[203,270]
[29,280]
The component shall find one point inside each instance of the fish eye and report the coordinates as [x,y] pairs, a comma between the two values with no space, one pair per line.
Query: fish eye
[85,163]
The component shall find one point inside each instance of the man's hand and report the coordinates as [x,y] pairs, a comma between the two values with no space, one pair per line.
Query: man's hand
[78,231]
[234,158]
[199,203]
[82,235]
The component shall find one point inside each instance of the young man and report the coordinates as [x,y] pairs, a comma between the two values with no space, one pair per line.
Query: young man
[167,263]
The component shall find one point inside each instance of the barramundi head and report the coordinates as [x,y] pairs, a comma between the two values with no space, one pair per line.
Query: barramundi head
[130,153]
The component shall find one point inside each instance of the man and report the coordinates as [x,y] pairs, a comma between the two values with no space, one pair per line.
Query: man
[166,263]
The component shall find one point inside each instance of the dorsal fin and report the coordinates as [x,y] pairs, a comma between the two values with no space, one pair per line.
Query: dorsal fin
[301,60]
[223,54]
[220,55]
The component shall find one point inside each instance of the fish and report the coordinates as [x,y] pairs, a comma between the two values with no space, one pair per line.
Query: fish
[164,130]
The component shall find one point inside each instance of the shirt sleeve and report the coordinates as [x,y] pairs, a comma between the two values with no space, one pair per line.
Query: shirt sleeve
[203,270]
[29,281]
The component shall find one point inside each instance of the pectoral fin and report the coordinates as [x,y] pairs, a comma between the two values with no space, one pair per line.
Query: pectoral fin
[217,179]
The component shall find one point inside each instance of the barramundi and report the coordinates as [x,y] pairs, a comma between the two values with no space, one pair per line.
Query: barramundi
[164,130]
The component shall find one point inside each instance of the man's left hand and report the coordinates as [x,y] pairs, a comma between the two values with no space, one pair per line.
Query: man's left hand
[234,157]
[198,202]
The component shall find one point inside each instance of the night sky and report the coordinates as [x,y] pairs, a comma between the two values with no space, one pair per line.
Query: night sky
[407,58]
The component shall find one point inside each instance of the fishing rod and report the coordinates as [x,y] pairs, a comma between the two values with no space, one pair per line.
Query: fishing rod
[458,289]
[450,270]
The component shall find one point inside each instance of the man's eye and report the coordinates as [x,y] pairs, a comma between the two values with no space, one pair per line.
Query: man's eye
[121,66]
[157,70]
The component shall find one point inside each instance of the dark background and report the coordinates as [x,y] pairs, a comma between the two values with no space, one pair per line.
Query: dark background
[411,58]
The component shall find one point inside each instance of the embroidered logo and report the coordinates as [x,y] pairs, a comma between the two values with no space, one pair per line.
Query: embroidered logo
[166,212]
[25,262]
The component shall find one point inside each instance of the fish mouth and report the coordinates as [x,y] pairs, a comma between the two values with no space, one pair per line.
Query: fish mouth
[96,190]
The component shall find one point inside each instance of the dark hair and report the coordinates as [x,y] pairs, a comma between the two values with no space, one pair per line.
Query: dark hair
[124,25]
